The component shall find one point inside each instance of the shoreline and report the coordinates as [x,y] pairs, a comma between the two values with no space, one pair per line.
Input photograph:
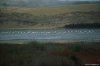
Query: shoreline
[47,41]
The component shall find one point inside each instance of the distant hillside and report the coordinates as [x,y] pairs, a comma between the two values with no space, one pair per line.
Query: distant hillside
[39,3]
[48,17]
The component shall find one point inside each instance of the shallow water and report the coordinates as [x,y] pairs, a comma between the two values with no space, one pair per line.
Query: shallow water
[51,34]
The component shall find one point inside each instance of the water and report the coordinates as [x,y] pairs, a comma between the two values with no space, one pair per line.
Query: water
[51,34]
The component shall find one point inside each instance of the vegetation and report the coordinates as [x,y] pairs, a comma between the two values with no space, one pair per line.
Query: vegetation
[48,54]
[86,25]
[48,17]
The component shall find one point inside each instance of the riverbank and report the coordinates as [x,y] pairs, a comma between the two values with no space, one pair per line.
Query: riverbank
[44,41]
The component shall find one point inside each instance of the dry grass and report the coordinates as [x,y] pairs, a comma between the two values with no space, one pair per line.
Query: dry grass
[54,10]
[53,17]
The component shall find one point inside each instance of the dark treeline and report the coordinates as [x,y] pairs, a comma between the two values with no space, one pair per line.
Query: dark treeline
[85,25]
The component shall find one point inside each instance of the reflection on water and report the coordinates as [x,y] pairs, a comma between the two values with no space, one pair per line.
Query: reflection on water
[51,34]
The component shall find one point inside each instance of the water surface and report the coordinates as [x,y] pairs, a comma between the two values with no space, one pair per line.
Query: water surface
[50,34]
